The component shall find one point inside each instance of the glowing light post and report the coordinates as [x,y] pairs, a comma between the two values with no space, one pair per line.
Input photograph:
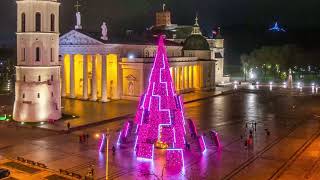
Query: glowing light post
[312,86]
[235,85]
[284,85]
[160,114]
[104,146]
[257,84]
[270,84]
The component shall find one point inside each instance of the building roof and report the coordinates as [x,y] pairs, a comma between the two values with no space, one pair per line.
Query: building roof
[127,39]
[196,42]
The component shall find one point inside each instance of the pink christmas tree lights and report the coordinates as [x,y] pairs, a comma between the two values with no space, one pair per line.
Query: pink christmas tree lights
[160,115]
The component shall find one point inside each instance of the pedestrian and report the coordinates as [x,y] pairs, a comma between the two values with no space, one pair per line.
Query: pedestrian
[68,126]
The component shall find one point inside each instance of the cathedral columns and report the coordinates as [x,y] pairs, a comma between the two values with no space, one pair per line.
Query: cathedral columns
[94,79]
[191,76]
[62,74]
[187,77]
[85,76]
[104,79]
[177,78]
[182,79]
[72,90]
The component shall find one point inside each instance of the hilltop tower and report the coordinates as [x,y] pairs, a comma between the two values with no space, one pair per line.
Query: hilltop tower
[37,92]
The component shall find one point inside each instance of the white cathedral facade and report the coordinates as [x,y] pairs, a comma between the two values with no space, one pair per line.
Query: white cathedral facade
[98,67]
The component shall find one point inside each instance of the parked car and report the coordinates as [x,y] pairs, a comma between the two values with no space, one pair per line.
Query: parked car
[4,173]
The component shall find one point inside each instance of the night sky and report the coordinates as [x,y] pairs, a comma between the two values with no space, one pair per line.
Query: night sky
[139,14]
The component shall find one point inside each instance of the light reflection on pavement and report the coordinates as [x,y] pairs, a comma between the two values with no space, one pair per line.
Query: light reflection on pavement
[225,114]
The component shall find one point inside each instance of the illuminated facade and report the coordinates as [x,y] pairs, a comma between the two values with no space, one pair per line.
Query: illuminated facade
[97,69]
[37,96]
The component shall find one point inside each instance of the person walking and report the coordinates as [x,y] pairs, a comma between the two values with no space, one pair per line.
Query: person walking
[68,126]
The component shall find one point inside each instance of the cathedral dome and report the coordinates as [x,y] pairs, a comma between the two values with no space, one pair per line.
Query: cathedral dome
[196,42]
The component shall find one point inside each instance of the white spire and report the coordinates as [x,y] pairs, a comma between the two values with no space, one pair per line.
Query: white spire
[196,27]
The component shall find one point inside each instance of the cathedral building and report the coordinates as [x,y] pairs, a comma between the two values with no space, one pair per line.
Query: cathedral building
[100,68]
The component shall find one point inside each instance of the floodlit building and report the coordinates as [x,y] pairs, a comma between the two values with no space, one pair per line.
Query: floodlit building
[96,66]
[37,87]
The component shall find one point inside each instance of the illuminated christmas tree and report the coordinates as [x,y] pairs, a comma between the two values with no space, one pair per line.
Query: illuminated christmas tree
[160,116]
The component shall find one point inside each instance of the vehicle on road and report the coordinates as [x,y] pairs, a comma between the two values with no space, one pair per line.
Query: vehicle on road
[4,173]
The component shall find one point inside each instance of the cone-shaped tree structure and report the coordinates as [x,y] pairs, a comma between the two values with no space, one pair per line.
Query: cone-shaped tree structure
[160,111]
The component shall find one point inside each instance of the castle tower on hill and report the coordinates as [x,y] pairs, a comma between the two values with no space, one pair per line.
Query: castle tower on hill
[37,92]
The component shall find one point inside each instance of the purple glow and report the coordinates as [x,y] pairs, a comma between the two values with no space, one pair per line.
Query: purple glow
[160,111]
[215,138]
[119,137]
[103,142]
[202,144]
[174,159]
[192,127]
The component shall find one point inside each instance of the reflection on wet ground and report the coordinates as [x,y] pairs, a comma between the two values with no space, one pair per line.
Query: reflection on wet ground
[292,121]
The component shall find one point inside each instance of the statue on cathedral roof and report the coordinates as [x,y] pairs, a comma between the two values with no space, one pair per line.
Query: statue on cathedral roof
[78,16]
[104,31]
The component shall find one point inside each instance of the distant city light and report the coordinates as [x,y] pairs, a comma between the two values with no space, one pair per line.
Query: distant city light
[130,56]
[276,28]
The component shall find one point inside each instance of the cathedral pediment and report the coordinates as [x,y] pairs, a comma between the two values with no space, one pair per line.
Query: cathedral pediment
[131,78]
[78,38]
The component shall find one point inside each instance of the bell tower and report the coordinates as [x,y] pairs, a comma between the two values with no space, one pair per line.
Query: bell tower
[37,87]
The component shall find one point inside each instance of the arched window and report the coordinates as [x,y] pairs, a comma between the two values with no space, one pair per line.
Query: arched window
[38,22]
[147,53]
[52,23]
[37,54]
[23,22]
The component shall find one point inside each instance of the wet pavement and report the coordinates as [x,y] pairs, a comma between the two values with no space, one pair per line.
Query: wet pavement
[292,120]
